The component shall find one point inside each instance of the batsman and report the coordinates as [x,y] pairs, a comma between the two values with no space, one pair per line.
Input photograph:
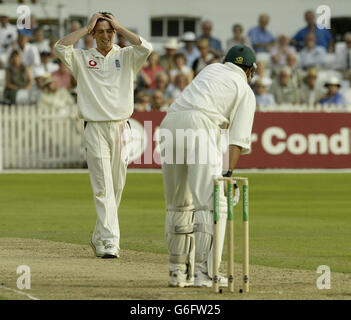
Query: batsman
[218,98]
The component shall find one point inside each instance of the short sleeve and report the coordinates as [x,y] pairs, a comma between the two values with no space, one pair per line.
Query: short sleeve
[140,54]
[68,55]
[241,122]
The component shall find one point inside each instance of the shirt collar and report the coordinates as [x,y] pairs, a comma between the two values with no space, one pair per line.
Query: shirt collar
[237,70]
[96,53]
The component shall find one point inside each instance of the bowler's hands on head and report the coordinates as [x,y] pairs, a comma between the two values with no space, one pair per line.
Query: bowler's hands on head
[92,22]
[112,20]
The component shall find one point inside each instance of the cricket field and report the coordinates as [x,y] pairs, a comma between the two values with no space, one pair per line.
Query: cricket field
[298,222]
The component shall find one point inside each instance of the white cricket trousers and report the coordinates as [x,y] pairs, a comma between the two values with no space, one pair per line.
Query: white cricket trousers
[107,158]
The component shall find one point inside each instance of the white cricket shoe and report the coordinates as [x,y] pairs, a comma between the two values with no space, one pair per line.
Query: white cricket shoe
[98,249]
[180,279]
[203,280]
[110,251]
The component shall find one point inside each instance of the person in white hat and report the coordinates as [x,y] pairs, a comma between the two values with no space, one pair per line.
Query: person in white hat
[166,60]
[333,96]
[190,51]
[8,32]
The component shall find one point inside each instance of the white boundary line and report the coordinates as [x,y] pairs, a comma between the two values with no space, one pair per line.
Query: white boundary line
[19,292]
[149,171]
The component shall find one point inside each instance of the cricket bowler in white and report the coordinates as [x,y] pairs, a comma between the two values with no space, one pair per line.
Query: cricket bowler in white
[219,97]
[105,78]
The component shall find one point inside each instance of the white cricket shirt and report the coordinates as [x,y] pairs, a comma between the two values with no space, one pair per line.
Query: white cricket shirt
[222,93]
[105,84]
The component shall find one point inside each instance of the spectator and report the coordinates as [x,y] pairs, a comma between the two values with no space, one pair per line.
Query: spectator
[280,51]
[149,71]
[166,60]
[62,77]
[180,67]
[47,66]
[36,89]
[52,42]
[53,97]
[346,90]
[333,96]
[310,93]
[262,74]
[161,80]
[18,80]
[206,57]
[76,25]
[323,36]
[5,53]
[30,53]
[89,42]
[143,101]
[29,33]
[175,89]
[312,55]
[238,37]
[283,89]
[214,44]
[190,51]
[158,102]
[263,98]
[40,42]
[8,32]
[296,72]
[261,39]
[343,54]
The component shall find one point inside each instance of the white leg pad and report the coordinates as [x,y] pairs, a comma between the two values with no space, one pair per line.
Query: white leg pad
[180,241]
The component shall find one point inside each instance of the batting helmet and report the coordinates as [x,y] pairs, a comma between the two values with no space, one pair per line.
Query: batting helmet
[241,55]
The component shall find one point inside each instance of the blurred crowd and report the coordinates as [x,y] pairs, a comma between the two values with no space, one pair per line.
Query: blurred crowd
[306,68]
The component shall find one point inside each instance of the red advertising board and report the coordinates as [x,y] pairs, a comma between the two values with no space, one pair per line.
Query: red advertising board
[279,140]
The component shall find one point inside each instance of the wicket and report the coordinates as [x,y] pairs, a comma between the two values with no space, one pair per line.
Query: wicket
[230,233]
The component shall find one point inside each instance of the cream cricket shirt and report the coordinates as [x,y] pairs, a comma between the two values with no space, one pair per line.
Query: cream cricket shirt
[222,93]
[105,84]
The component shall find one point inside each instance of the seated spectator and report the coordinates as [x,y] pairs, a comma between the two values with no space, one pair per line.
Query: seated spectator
[312,55]
[296,72]
[215,45]
[36,89]
[166,60]
[238,37]
[310,92]
[18,80]
[263,98]
[205,58]
[40,42]
[53,97]
[149,71]
[180,67]
[8,32]
[280,51]
[5,53]
[323,36]
[261,39]
[190,51]
[283,89]
[63,77]
[262,74]
[162,82]
[89,42]
[175,89]
[29,52]
[346,90]
[142,102]
[333,96]
[343,54]
[47,65]
[158,102]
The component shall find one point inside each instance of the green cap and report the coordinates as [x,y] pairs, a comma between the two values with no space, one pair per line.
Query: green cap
[241,55]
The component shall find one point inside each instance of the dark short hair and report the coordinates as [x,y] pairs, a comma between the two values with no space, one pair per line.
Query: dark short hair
[102,19]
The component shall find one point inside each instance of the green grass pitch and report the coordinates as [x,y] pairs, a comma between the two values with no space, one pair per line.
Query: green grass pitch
[297,221]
